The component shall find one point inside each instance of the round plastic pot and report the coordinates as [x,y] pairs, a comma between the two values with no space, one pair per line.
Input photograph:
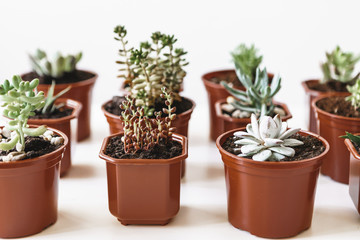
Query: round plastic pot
[354,177]
[310,96]
[82,92]
[331,127]
[215,93]
[228,123]
[29,193]
[144,191]
[181,123]
[270,199]
[63,125]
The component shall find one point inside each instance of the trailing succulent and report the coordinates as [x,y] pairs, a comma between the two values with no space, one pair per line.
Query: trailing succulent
[339,66]
[258,97]
[153,65]
[246,59]
[142,132]
[266,139]
[49,106]
[354,98]
[20,102]
[55,68]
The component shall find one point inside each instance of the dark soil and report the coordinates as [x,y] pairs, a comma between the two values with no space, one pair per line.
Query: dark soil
[331,86]
[114,106]
[73,77]
[34,147]
[115,149]
[58,113]
[312,147]
[338,106]
[229,78]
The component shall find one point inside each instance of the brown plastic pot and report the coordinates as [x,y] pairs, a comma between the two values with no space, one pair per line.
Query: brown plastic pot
[144,191]
[330,127]
[63,125]
[270,199]
[354,177]
[312,94]
[228,123]
[29,193]
[181,123]
[82,92]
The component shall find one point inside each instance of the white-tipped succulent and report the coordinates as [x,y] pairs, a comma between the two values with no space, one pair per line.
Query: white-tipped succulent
[267,139]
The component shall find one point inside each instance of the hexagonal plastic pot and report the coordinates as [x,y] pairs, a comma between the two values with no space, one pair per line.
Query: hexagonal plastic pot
[144,191]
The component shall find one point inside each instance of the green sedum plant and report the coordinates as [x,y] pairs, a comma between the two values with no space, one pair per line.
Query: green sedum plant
[55,68]
[50,106]
[246,59]
[258,97]
[267,139]
[354,98]
[339,66]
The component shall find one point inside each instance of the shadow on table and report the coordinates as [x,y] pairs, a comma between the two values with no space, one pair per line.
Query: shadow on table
[80,171]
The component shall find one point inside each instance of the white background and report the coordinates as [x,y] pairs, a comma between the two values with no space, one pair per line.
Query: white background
[293,37]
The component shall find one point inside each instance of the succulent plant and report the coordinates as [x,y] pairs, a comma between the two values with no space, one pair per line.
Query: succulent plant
[142,132]
[246,59]
[49,106]
[339,66]
[20,102]
[55,68]
[354,138]
[354,98]
[267,139]
[258,97]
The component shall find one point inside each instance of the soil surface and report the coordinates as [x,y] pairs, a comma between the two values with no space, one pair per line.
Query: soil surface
[34,147]
[331,86]
[73,77]
[58,113]
[229,78]
[312,147]
[338,106]
[115,149]
[114,106]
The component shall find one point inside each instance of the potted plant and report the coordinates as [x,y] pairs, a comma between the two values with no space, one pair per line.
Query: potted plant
[63,70]
[57,113]
[338,72]
[29,163]
[144,165]
[271,173]
[336,115]
[145,71]
[235,111]
[353,143]
[245,58]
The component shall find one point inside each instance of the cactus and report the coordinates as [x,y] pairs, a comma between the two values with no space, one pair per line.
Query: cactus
[49,106]
[354,98]
[55,68]
[258,97]
[246,59]
[267,139]
[339,66]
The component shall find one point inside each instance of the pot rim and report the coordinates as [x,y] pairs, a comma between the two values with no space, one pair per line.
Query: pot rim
[111,115]
[350,146]
[241,160]
[175,137]
[231,119]
[331,115]
[32,161]
[316,92]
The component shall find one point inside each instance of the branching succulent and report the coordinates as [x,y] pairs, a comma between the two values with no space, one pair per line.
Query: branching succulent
[339,66]
[266,139]
[142,132]
[49,106]
[258,97]
[20,102]
[55,68]
[246,59]
[354,98]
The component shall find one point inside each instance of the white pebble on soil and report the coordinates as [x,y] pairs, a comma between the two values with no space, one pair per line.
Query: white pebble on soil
[227,107]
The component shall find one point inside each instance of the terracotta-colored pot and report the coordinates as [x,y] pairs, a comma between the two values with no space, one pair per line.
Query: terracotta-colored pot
[181,123]
[63,125]
[215,93]
[270,199]
[82,92]
[29,193]
[144,191]
[312,94]
[330,127]
[228,123]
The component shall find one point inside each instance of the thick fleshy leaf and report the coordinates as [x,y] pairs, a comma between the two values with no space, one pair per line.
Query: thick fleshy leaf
[255,126]
[277,121]
[289,133]
[271,142]
[283,129]
[287,151]
[251,149]
[290,142]
[277,156]
[249,129]
[267,127]
[262,156]
[245,141]
[242,134]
